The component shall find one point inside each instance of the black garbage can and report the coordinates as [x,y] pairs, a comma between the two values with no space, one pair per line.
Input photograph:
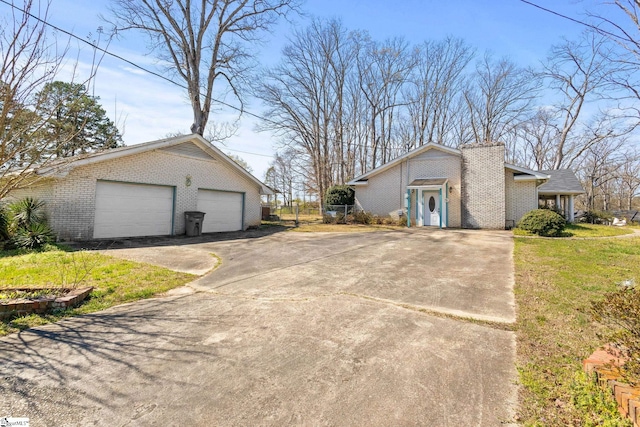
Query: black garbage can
[193,221]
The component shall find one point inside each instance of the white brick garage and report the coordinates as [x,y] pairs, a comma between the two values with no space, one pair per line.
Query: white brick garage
[78,211]
[128,210]
[223,210]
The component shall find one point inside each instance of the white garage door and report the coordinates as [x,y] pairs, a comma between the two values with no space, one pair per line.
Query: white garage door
[223,210]
[130,210]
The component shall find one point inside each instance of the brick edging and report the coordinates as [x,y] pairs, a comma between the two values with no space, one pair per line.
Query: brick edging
[605,364]
[23,306]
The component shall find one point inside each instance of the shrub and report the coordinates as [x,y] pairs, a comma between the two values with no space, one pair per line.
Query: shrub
[33,236]
[340,195]
[619,311]
[362,217]
[328,219]
[401,221]
[339,218]
[596,217]
[27,212]
[26,225]
[543,222]
[554,209]
[4,223]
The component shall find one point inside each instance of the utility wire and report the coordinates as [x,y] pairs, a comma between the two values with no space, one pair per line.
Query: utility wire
[133,64]
[233,107]
[577,21]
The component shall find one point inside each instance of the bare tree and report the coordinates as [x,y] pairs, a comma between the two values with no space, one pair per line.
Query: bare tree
[622,27]
[383,70]
[305,95]
[498,98]
[435,85]
[203,41]
[629,179]
[538,138]
[599,169]
[580,71]
[30,58]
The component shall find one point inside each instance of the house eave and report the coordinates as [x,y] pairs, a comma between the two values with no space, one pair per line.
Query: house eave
[62,170]
[406,156]
[560,193]
[535,174]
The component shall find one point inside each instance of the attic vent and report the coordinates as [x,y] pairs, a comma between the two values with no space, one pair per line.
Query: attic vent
[188,149]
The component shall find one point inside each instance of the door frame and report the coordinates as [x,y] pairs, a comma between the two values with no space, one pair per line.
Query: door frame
[243,200]
[425,209]
[417,192]
[151,184]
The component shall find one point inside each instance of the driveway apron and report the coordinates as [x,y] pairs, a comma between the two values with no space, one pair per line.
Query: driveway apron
[385,328]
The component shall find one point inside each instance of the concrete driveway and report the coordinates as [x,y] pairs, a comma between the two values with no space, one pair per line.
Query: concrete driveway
[385,328]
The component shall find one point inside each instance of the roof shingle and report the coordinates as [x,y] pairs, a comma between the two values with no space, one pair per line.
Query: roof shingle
[561,181]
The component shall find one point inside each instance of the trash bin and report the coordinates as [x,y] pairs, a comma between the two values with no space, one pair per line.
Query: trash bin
[193,222]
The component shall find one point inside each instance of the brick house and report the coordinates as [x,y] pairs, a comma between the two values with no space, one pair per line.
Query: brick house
[468,187]
[144,190]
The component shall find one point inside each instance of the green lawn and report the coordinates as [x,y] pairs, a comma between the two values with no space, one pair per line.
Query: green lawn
[556,280]
[115,281]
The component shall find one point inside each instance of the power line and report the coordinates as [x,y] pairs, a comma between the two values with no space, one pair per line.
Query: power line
[577,21]
[248,152]
[133,64]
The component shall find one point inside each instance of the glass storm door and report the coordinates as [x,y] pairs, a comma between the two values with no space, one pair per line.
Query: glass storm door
[431,200]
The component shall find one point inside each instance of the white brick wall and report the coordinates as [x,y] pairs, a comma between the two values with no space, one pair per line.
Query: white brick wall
[521,197]
[72,201]
[384,193]
[483,186]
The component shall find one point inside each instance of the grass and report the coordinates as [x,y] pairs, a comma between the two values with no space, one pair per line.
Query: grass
[556,280]
[584,230]
[115,281]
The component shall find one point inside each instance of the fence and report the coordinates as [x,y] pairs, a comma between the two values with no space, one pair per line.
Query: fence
[290,214]
[339,212]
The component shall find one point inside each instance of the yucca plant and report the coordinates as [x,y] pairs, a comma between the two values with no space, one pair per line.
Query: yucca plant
[27,226]
[4,223]
[33,236]
[26,212]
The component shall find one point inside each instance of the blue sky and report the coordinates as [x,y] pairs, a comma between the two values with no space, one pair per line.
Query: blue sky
[151,108]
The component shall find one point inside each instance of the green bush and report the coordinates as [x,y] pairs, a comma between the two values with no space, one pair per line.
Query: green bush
[33,236]
[4,223]
[339,218]
[340,195]
[619,311]
[25,225]
[597,217]
[362,217]
[543,222]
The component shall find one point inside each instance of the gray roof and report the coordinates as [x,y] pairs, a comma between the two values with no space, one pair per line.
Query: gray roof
[428,181]
[561,181]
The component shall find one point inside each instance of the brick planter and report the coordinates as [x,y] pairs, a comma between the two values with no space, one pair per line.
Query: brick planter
[604,363]
[23,306]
